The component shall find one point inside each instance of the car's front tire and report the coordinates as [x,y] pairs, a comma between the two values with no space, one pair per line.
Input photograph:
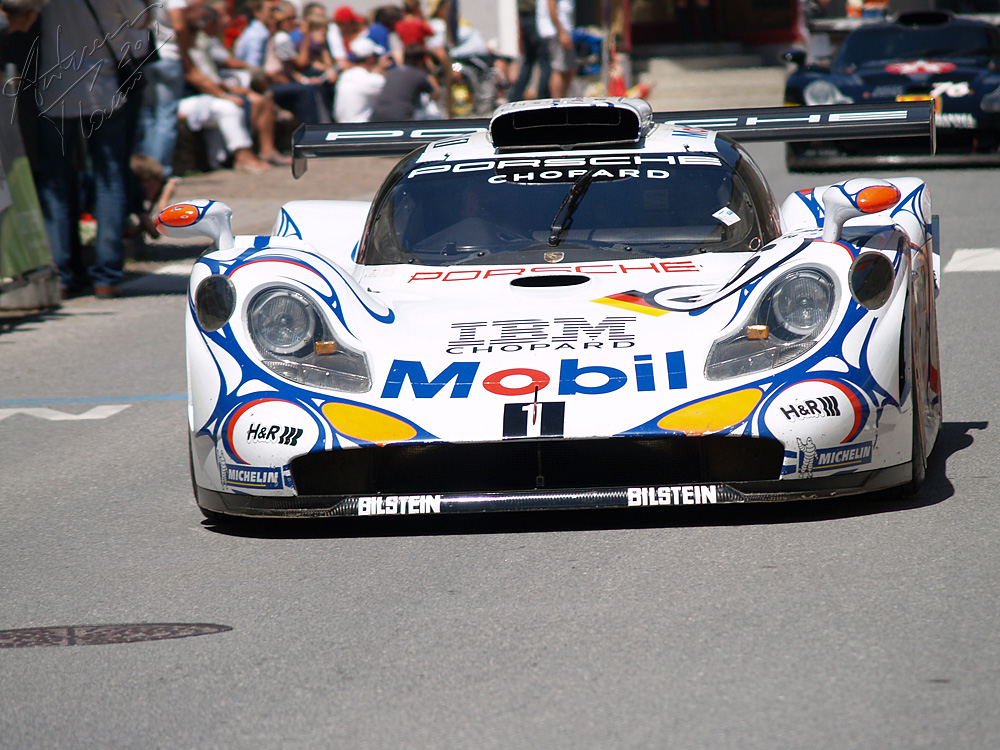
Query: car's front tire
[918,457]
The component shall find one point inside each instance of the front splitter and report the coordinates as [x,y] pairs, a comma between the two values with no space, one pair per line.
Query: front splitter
[328,506]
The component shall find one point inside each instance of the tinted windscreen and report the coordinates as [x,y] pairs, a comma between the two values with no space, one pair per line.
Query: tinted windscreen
[898,43]
[486,213]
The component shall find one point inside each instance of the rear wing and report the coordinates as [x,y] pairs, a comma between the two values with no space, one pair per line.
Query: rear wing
[871,120]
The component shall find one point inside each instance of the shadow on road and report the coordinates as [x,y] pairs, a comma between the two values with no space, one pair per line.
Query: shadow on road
[954,437]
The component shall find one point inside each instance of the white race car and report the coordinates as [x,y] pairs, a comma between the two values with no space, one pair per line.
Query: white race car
[576,304]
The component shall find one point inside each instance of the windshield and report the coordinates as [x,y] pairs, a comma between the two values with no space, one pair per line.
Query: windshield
[497,212]
[900,43]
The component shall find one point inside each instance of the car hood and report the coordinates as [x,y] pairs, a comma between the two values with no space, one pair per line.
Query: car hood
[463,353]
[914,76]
[471,338]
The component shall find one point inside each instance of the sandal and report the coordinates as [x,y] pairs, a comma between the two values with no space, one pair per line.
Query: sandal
[252,167]
[277,159]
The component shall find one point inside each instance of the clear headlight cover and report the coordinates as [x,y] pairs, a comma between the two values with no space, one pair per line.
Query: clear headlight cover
[824,92]
[787,322]
[281,322]
[802,302]
[294,342]
[991,101]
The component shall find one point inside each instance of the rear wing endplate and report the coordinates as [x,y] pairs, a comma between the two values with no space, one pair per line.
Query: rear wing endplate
[872,120]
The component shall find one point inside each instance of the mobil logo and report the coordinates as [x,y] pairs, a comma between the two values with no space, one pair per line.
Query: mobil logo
[457,379]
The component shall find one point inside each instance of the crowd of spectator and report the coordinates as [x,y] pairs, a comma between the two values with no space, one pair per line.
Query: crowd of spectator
[122,78]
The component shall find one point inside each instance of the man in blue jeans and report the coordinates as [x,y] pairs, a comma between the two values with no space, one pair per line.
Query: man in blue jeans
[87,103]
[164,84]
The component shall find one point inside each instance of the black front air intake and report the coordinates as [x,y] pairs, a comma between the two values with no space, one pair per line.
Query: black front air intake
[527,464]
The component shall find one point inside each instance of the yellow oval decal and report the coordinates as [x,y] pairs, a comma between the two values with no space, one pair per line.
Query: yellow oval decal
[362,423]
[712,414]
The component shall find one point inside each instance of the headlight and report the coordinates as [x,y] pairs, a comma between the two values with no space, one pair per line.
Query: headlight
[802,302]
[281,322]
[294,342]
[214,301]
[824,92]
[787,322]
[991,101]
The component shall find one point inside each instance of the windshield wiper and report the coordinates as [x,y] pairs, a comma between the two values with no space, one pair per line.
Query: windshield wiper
[564,216]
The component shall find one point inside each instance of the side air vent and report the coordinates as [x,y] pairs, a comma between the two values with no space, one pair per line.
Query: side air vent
[570,123]
[547,282]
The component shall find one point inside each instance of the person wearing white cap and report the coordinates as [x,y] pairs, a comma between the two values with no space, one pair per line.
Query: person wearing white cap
[359,86]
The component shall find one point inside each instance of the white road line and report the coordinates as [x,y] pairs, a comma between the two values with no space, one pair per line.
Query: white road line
[975,259]
[54,415]
[176,269]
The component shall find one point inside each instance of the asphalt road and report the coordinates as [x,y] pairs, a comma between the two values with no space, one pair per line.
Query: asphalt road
[848,624]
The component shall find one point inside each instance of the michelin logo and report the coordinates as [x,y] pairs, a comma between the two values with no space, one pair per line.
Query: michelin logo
[839,458]
[812,459]
[680,495]
[253,477]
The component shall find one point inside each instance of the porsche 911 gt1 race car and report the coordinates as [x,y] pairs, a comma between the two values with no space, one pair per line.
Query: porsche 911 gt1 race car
[930,55]
[576,304]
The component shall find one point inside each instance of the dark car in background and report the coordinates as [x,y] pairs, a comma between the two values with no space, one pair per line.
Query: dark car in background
[930,55]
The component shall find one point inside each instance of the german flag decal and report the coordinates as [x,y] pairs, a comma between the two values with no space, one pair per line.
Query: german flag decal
[634,301]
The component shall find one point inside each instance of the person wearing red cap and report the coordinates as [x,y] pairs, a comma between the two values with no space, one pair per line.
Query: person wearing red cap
[345,14]
[345,27]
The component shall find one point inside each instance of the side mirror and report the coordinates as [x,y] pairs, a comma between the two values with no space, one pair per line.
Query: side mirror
[853,198]
[199,218]
[795,56]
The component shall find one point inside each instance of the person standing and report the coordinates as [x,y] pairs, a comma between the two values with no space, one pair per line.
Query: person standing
[534,52]
[165,82]
[92,101]
[555,19]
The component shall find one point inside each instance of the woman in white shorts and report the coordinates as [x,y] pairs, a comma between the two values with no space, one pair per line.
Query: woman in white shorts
[225,116]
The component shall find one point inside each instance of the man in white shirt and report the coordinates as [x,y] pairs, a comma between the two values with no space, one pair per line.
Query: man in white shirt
[359,86]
